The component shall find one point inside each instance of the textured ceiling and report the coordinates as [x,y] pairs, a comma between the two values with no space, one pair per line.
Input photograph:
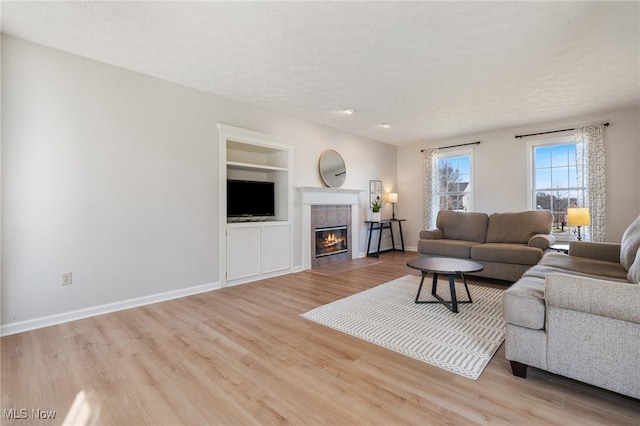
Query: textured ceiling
[432,69]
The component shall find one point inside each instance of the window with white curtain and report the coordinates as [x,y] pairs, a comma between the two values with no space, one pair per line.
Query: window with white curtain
[554,181]
[447,182]
[455,184]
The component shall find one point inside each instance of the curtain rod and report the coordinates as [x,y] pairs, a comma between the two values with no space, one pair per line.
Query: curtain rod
[551,131]
[455,146]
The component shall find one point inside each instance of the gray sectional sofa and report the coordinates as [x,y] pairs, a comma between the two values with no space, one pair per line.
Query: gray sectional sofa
[506,244]
[578,314]
[575,314]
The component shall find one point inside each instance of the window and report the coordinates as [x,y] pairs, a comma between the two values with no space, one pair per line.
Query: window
[555,185]
[454,181]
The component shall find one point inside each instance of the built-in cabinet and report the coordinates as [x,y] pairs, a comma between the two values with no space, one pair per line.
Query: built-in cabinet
[257,248]
[251,250]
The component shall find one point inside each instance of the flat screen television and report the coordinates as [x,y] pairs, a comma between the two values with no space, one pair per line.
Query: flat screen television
[246,198]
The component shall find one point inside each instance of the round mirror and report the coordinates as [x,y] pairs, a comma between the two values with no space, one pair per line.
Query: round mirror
[332,168]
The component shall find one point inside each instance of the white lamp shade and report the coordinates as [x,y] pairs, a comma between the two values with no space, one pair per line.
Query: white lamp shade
[392,197]
[578,216]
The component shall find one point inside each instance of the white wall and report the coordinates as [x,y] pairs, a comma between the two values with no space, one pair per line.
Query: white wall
[113,175]
[500,170]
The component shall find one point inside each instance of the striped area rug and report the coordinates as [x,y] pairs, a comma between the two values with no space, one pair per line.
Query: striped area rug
[387,316]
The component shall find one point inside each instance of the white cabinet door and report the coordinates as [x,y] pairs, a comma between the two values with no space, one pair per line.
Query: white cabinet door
[275,248]
[243,251]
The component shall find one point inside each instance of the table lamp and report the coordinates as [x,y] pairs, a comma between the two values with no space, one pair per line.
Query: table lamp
[392,197]
[578,216]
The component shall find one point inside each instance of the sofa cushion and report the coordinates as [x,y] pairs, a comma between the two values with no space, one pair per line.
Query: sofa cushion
[630,244]
[501,271]
[431,234]
[463,225]
[598,268]
[507,253]
[448,248]
[541,271]
[609,252]
[523,303]
[614,301]
[518,227]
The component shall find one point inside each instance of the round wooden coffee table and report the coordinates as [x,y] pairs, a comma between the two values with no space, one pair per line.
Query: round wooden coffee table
[449,266]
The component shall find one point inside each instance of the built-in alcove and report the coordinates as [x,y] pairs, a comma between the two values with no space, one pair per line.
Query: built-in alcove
[255,246]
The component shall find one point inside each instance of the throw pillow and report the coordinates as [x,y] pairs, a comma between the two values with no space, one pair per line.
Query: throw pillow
[630,244]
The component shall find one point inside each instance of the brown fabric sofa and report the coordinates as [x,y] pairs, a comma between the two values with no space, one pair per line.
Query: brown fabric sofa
[578,314]
[506,244]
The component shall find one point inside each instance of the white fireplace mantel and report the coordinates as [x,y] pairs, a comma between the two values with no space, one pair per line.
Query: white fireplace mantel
[310,196]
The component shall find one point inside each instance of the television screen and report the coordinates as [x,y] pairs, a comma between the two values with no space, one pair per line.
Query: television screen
[250,198]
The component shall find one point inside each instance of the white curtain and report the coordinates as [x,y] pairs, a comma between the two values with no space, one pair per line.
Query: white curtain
[430,187]
[591,164]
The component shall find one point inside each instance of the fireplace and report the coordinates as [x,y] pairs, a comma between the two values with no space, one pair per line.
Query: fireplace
[331,237]
[324,208]
[331,240]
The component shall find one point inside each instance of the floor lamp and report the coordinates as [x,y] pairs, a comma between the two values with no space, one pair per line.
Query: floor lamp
[578,216]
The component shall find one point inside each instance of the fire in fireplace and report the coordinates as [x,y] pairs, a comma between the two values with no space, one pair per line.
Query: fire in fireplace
[331,240]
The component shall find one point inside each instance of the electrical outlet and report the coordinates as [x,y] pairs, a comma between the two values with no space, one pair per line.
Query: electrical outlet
[66,278]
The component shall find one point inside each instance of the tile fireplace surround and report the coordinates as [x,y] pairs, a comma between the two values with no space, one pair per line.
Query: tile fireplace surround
[327,197]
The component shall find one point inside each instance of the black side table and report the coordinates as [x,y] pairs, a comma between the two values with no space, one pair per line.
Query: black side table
[383,224]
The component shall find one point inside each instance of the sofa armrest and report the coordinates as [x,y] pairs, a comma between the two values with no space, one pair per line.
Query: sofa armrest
[542,241]
[432,234]
[609,252]
[605,298]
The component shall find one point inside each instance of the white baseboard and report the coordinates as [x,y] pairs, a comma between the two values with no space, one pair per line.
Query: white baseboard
[253,278]
[32,324]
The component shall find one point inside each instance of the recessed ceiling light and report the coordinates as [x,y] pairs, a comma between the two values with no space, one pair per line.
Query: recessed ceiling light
[385,125]
[349,111]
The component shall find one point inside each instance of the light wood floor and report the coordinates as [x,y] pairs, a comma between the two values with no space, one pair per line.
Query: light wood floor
[242,355]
